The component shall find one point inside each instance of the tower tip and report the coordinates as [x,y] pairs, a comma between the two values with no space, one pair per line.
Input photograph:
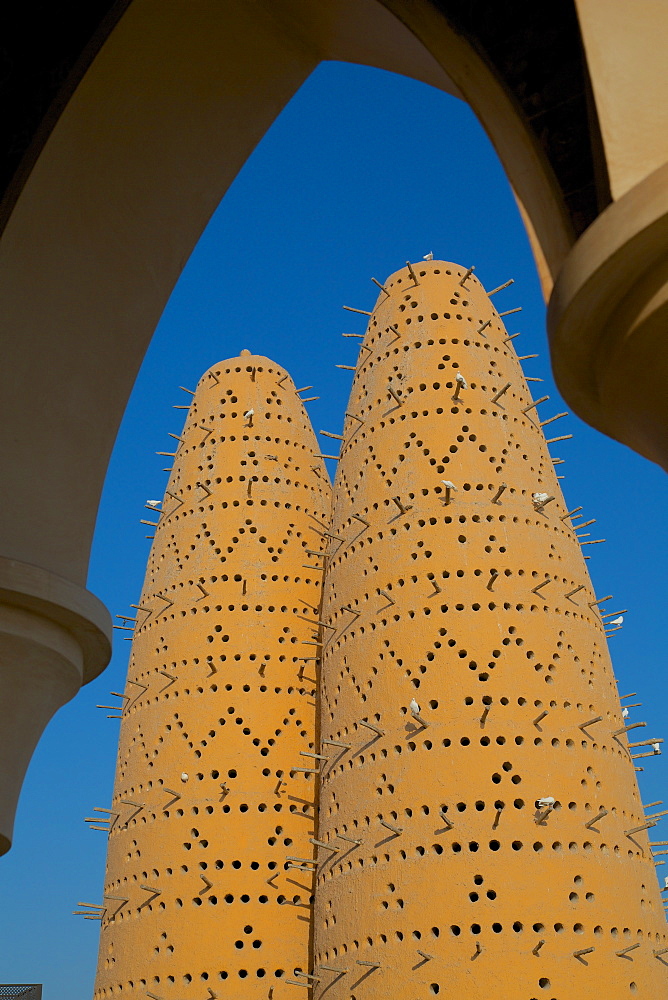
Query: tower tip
[244,353]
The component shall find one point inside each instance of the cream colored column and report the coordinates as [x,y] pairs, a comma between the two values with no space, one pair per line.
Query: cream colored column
[54,637]
[625,49]
[214,793]
[484,831]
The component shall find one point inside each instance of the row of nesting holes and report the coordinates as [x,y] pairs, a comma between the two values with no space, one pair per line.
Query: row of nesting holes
[243,807]
[202,509]
[446,608]
[238,657]
[485,741]
[474,518]
[187,978]
[499,805]
[497,928]
[474,846]
[487,702]
[206,608]
[248,368]
[266,479]
[271,440]
[215,774]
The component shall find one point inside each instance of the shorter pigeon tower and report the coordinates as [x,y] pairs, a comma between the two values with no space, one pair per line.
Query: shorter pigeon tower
[214,784]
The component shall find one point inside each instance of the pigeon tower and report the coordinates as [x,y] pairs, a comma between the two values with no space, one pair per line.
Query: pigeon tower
[372,744]
[219,706]
[485,834]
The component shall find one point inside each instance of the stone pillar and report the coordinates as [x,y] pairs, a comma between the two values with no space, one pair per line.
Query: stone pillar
[607,320]
[54,637]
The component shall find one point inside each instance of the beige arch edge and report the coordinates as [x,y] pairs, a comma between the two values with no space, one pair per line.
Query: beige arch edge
[169,110]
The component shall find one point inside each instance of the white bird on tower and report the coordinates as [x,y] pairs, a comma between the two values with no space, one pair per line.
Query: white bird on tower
[540,500]
[414,707]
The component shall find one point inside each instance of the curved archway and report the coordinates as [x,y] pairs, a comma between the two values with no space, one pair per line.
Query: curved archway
[121,174]
[141,155]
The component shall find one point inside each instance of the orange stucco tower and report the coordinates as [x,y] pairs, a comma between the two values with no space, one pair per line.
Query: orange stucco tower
[460,814]
[479,805]
[214,793]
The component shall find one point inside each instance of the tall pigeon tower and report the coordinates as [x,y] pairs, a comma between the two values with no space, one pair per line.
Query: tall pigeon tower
[484,833]
[214,785]
[416,777]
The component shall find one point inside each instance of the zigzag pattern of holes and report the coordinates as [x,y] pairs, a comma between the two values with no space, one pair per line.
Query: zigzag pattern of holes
[493,432]
[290,694]
[191,545]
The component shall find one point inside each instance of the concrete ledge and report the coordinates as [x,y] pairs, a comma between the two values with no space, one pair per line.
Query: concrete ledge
[40,669]
[66,604]
[54,637]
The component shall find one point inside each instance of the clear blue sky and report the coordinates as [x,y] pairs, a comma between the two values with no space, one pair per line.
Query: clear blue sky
[362,171]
